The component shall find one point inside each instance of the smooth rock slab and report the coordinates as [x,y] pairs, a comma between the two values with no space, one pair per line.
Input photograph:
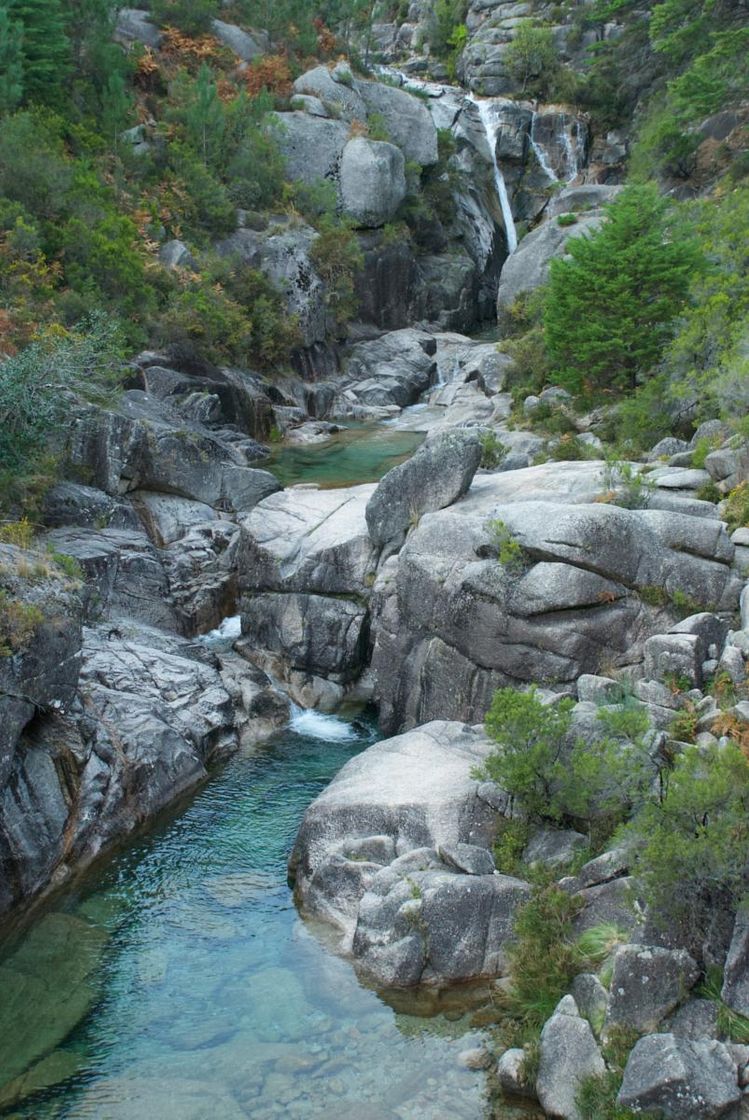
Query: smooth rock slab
[736,973]
[680,1078]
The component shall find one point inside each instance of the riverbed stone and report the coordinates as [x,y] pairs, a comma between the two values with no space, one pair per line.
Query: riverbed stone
[61,952]
[308,540]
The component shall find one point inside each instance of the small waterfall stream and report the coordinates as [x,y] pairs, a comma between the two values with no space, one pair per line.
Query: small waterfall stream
[485,107]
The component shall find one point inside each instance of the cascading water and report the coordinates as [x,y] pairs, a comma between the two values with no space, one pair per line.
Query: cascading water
[485,107]
[561,148]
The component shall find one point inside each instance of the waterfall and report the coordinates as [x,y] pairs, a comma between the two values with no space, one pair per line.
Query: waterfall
[540,154]
[490,128]
[561,146]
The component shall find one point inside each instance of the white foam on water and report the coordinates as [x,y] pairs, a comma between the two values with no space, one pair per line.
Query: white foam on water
[320,725]
[229,629]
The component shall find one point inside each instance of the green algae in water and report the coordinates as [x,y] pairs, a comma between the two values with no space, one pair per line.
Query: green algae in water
[360,453]
[214,1000]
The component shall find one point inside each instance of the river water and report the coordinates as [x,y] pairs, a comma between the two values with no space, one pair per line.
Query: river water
[208,998]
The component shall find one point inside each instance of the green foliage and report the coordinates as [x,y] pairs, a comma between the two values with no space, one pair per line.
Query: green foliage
[690,844]
[493,451]
[684,724]
[191,16]
[45,47]
[627,484]
[531,736]
[594,783]
[11,61]
[544,958]
[596,1098]
[732,1025]
[509,551]
[338,257]
[611,305]
[67,564]
[735,507]
[19,622]
[39,387]
[447,17]
[509,845]
[531,58]
[567,219]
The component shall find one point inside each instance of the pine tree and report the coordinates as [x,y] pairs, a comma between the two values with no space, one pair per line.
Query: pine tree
[11,61]
[45,47]
[612,303]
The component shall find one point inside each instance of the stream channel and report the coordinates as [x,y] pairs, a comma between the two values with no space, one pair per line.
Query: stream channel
[176,981]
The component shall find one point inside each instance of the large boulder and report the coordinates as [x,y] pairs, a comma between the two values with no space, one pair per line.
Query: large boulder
[421,924]
[134,26]
[407,796]
[676,1077]
[336,89]
[308,540]
[313,634]
[373,181]
[647,984]
[145,444]
[437,475]
[407,120]
[242,43]
[311,146]
[452,622]
[386,374]
[568,1054]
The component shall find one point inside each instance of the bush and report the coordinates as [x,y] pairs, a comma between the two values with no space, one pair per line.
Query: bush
[19,622]
[691,844]
[191,16]
[531,58]
[493,451]
[337,257]
[509,551]
[40,387]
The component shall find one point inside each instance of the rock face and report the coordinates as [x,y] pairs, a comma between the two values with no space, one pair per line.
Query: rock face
[436,476]
[451,623]
[394,853]
[676,1078]
[736,975]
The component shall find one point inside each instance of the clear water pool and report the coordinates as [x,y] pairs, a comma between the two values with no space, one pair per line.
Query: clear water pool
[201,995]
[360,453]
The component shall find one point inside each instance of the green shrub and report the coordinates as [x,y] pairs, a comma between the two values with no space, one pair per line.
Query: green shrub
[509,551]
[732,1025]
[39,388]
[509,845]
[531,58]
[67,564]
[191,16]
[596,1098]
[493,451]
[735,508]
[338,258]
[627,484]
[690,844]
[567,220]
[19,622]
